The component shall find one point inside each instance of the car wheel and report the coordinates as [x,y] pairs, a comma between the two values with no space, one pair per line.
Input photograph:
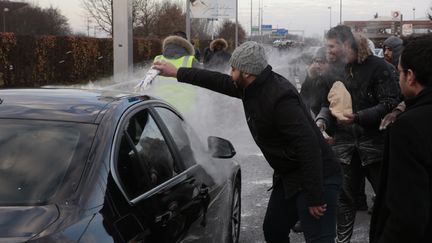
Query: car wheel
[234,226]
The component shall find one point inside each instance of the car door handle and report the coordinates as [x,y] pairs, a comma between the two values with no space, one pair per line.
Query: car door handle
[167,216]
[164,218]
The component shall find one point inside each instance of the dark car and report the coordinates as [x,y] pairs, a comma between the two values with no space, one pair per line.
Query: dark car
[98,166]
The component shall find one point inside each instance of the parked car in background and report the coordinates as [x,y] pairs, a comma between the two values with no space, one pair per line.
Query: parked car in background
[102,166]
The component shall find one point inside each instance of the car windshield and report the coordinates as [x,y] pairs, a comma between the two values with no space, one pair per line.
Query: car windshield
[36,158]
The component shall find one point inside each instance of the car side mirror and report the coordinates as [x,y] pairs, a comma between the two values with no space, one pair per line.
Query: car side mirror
[220,148]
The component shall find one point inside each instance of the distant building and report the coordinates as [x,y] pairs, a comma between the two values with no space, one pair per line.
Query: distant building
[379,29]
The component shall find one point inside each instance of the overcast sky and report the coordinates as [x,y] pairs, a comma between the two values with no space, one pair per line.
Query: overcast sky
[312,16]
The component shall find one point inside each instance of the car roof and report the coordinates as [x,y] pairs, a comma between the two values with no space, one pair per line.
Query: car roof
[74,105]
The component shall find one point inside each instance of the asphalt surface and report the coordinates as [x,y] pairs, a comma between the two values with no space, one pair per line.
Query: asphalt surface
[256,174]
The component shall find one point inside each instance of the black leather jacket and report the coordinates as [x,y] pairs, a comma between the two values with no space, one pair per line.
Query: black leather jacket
[281,126]
[374,93]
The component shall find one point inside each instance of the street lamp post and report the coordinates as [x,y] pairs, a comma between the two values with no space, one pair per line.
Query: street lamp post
[5,10]
[340,17]
[330,8]
[251,19]
[413,13]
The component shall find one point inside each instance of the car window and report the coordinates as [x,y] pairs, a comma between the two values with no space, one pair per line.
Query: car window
[38,157]
[184,137]
[144,160]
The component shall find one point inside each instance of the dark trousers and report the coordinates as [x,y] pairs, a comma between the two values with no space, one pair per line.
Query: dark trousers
[283,213]
[352,180]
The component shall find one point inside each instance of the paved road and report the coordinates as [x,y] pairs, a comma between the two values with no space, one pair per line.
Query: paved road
[256,181]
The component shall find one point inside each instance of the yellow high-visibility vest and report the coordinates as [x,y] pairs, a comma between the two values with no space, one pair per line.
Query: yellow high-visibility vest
[185,61]
[182,97]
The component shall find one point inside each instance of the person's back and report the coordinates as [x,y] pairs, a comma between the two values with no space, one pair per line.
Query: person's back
[179,52]
[219,58]
[278,88]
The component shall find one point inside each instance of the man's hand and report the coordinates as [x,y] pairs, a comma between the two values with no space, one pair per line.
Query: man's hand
[349,119]
[317,211]
[328,139]
[321,125]
[314,70]
[389,118]
[166,68]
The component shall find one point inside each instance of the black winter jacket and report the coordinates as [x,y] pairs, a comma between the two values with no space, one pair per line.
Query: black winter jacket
[403,206]
[374,94]
[281,126]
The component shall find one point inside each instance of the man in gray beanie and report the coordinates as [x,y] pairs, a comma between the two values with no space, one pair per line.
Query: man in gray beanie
[307,176]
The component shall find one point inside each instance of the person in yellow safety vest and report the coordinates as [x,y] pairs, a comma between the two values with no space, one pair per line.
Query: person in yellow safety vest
[179,52]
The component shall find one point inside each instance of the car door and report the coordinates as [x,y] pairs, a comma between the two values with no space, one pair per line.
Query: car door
[164,195]
[211,175]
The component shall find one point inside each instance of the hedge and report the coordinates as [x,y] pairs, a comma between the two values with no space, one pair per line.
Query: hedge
[32,61]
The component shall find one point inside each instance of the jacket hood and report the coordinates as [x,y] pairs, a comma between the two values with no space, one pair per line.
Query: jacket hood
[395,44]
[175,46]
[221,42]
[363,50]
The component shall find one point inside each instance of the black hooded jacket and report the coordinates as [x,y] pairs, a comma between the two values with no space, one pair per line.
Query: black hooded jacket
[217,58]
[281,126]
[396,45]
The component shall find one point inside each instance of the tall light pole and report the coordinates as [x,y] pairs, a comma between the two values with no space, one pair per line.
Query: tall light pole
[340,17]
[259,17]
[251,19]
[5,10]
[413,13]
[330,17]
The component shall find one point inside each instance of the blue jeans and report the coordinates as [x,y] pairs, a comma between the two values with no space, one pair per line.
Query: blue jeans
[282,214]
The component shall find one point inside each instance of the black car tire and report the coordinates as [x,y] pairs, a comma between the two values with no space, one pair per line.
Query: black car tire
[235,216]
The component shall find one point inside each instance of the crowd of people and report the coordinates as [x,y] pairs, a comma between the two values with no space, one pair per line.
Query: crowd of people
[357,116]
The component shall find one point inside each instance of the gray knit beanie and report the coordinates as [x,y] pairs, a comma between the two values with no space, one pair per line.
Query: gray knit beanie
[249,57]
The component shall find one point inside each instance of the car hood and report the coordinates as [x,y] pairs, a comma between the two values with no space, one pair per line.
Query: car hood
[18,224]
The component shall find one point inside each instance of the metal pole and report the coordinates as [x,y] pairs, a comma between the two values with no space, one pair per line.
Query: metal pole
[340,18]
[122,41]
[4,21]
[262,14]
[251,19]
[413,13]
[330,8]
[236,30]
[259,17]
[401,24]
[5,10]
[188,27]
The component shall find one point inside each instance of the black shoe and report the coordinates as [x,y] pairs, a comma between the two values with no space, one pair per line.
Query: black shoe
[297,227]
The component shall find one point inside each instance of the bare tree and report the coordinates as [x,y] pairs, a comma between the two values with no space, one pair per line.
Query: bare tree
[146,17]
[169,18]
[200,29]
[227,30]
[101,12]
[33,20]
[150,17]
[143,14]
